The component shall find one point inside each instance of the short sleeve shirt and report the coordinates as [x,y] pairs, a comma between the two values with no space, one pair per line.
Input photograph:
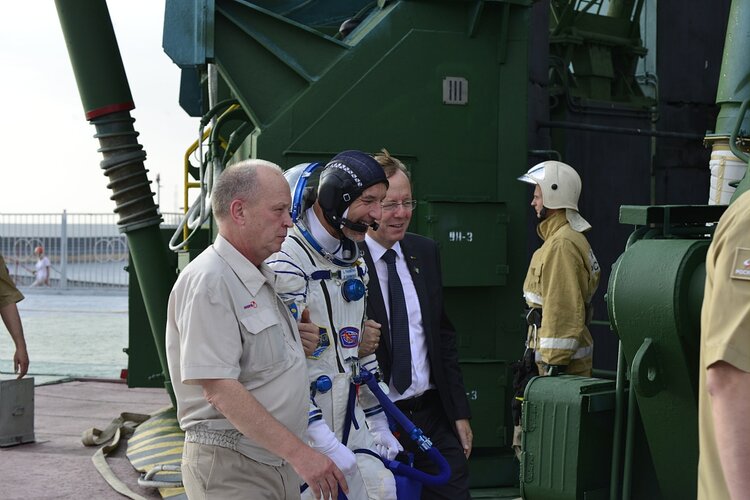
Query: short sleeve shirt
[9,294]
[725,328]
[225,321]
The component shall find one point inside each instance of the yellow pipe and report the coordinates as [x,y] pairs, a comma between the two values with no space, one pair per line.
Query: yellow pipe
[186,159]
[187,184]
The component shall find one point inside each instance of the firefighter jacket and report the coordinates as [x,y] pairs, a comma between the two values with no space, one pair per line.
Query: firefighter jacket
[562,278]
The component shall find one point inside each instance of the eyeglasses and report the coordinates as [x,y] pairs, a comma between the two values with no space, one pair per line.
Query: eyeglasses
[391,206]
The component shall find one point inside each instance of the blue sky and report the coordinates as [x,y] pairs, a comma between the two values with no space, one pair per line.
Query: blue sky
[49,162]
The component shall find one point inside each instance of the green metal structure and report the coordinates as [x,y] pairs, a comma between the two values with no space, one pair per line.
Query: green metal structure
[593,52]
[308,95]
[658,319]
[445,86]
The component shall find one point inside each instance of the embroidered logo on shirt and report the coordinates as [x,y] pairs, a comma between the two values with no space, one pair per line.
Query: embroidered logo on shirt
[251,305]
[741,267]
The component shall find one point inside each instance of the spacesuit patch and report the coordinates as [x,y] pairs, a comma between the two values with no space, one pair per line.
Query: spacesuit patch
[349,337]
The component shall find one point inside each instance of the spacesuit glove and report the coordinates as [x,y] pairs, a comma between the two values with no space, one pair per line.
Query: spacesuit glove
[386,444]
[323,440]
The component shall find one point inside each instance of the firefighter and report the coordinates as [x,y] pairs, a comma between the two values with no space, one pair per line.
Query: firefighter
[562,276]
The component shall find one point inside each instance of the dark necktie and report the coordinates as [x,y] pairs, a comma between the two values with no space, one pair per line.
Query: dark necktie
[401,368]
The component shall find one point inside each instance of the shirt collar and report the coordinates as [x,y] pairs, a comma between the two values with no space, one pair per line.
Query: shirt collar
[251,276]
[377,250]
[550,225]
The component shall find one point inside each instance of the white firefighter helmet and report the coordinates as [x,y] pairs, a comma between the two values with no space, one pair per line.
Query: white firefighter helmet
[561,187]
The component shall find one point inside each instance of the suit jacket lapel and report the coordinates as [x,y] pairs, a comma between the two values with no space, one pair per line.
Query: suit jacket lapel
[375,296]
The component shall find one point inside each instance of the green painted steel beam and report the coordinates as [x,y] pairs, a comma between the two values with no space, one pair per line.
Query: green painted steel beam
[89,36]
[279,59]
[641,215]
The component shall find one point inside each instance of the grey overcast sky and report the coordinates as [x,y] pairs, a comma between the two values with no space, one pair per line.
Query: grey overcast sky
[50,161]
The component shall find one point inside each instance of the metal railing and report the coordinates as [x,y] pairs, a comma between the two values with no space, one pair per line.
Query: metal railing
[84,250]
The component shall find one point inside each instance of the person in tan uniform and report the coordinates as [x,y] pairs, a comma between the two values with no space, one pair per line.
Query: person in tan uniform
[9,296]
[236,357]
[724,388]
[563,274]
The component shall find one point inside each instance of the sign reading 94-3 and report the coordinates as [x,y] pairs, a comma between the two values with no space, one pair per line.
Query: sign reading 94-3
[460,236]
[469,234]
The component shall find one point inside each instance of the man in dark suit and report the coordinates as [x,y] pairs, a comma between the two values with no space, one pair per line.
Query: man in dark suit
[416,350]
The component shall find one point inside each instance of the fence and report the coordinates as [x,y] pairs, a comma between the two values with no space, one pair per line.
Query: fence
[85,250]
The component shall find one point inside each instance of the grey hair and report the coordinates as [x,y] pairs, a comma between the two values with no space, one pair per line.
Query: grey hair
[238,182]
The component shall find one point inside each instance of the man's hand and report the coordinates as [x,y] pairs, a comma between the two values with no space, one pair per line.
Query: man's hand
[465,435]
[370,338]
[309,333]
[21,361]
[728,391]
[12,320]
[319,472]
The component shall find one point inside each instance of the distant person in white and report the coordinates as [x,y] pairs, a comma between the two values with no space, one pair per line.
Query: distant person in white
[42,268]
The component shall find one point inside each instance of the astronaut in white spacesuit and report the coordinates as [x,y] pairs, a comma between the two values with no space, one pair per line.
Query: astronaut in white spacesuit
[319,269]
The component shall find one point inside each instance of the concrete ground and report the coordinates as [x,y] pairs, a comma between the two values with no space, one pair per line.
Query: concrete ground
[57,465]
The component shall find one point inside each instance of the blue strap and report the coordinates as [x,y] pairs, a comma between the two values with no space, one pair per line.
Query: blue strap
[321,275]
[349,418]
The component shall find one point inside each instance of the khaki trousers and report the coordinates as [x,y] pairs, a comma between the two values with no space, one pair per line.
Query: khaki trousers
[213,472]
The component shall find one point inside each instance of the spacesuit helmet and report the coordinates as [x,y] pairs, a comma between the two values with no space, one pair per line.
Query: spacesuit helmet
[342,181]
[303,182]
[561,187]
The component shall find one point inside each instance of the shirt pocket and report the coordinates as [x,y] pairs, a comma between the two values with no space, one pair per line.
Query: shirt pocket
[263,339]
[538,272]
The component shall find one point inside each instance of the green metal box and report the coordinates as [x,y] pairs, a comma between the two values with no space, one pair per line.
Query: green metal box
[16,411]
[485,382]
[473,241]
[492,464]
[567,427]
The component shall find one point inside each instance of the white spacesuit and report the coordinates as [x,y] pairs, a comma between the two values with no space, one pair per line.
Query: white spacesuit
[324,274]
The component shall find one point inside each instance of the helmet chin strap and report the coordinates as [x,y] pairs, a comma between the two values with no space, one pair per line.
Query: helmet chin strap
[542,214]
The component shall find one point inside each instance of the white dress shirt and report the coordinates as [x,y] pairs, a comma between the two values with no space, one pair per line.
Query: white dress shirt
[420,365]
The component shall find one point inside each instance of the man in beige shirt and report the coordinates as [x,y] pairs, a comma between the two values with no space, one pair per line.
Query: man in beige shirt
[724,388]
[235,357]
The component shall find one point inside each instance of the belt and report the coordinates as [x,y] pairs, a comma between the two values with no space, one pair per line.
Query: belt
[425,400]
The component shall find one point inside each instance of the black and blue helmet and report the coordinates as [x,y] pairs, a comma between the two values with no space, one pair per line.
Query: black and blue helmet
[343,180]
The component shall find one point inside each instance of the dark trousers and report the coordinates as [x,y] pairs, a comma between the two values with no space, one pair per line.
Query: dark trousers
[427,413]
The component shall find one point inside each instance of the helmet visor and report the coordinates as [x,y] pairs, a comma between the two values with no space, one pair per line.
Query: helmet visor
[534,175]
